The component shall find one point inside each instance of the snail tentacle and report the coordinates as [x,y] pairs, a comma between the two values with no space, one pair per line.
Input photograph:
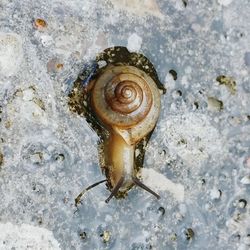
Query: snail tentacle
[143,186]
[115,190]
[78,198]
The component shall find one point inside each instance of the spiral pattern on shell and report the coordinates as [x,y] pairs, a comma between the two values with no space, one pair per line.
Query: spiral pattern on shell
[122,96]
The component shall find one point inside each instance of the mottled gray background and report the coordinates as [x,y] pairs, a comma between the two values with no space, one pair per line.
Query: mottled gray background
[198,158]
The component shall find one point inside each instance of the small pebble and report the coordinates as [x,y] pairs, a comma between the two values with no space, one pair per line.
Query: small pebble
[189,233]
[83,235]
[102,64]
[173,237]
[245,180]
[106,236]
[60,157]
[228,81]
[134,43]
[40,24]
[214,104]
[161,210]
[176,94]
[54,66]
[215,194]
[242,203]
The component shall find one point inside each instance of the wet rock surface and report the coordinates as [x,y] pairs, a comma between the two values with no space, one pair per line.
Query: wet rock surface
[198,158]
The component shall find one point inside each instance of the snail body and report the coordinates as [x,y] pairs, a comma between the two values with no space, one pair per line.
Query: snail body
[127,102]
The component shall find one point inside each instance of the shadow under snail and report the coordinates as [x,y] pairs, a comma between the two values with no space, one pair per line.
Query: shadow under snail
[126,101]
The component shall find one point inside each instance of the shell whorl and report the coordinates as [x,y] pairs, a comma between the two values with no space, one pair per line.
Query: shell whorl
[125,97]
[129,97]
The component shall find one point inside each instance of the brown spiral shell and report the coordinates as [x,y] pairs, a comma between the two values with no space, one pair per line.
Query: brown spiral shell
[122,96]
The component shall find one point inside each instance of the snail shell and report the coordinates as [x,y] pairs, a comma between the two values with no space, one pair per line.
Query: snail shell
[127,100]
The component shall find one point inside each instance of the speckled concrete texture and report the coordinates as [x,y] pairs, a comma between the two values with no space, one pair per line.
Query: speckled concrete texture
[198,158]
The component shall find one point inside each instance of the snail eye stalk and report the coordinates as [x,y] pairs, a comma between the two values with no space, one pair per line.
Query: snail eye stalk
[78,198]
[137,182]
[115,190]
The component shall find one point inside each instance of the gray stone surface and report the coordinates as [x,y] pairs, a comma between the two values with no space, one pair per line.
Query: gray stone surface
[198,158]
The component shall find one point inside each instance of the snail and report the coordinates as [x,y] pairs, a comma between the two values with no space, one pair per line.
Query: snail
[126,102]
